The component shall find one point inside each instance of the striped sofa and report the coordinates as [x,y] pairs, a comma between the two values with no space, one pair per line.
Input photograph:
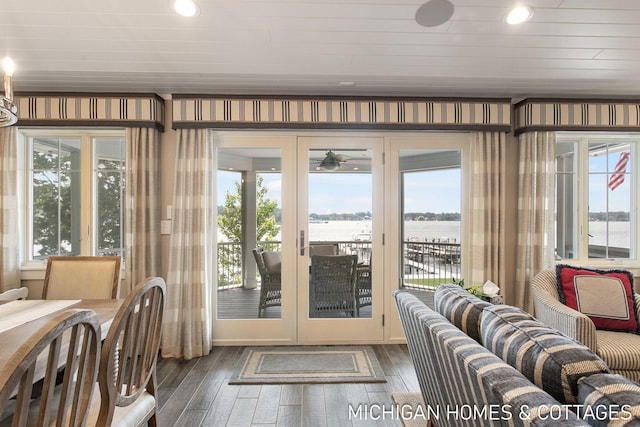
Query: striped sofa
[463,383]
[508,369]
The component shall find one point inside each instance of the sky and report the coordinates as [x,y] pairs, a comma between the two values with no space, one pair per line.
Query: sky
[428,191]
[600,195]
[333,192]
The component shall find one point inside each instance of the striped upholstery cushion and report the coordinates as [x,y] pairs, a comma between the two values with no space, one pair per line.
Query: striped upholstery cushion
[613,395]
[620,357]
[548,358]
[460,308]
[456,373]
[531,404]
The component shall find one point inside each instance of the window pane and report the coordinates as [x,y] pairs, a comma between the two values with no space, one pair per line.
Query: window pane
[609,200]
[109,188]
[597,193]
[431,208]
[56,197]
[565,206]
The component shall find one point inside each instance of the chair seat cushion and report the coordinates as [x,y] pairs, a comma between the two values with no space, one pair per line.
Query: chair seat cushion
[621,350]
[549,359]
[605,296]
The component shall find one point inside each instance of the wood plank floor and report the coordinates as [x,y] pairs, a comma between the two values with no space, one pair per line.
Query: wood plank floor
[196,393]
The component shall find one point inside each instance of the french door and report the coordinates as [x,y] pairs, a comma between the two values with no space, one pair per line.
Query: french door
[340,214]
[295,197]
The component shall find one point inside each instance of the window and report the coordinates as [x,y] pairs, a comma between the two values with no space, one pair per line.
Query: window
[596,195]
[74,193]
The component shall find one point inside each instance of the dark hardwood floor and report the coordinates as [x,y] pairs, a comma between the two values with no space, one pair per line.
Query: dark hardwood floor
[196,393]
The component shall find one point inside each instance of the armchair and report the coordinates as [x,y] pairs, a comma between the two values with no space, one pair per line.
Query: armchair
[270,280]
[619,350]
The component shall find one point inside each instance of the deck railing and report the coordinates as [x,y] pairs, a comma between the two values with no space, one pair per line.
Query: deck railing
[425,264]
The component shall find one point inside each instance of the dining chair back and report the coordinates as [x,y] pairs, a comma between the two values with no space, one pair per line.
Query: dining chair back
[70,339]
[82,277]
[127,374]
[15,294]
[332,287]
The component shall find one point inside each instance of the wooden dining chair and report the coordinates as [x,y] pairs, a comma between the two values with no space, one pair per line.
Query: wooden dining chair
[82,277]
[53,346]
[15,294]
[127,374]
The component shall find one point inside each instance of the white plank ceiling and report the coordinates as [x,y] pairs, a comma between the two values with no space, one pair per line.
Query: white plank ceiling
[322,47]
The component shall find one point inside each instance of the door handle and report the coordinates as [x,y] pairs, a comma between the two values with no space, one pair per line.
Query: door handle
[301,242]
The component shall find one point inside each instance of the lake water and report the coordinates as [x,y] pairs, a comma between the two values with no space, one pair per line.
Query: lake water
[419,230]
[619,232]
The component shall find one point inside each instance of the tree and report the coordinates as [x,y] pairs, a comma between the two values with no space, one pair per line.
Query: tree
[51,203]
[230,225]
[230,215]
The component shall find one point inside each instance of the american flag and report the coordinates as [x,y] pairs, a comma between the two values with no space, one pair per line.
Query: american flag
[617,177]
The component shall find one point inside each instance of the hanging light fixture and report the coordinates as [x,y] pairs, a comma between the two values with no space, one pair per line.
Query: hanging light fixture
[8,110]
[331,162]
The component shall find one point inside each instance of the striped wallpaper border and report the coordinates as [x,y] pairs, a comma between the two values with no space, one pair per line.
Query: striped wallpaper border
[130,110]
[576,114]
[340,113]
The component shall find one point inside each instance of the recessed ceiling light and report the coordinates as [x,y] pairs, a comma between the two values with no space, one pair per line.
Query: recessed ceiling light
[519,14]
[347,83]
[186,7]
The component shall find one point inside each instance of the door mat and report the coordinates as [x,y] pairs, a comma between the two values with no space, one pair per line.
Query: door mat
[307,365]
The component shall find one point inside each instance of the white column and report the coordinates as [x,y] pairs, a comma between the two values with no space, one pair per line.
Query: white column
[249,235]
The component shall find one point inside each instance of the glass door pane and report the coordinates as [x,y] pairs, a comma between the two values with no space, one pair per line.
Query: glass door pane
[249,233]
[340,200]
[340,254]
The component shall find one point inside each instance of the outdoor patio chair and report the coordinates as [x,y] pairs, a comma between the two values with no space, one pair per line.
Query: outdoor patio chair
[363,287]
[332,287]
[270,278]
[321,249]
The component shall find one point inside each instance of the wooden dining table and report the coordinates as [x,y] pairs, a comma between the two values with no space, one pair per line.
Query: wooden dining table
[20,319]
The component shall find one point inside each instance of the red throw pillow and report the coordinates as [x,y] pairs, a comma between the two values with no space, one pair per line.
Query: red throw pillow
[605,296]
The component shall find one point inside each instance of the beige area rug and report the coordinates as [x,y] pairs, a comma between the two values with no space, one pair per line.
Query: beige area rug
[412,410]
[308,364]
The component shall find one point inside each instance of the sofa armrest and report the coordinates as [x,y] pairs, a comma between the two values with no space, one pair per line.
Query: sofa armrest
[636,297]
[565,319]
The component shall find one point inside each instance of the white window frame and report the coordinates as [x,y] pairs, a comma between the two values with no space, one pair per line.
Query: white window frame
[87,192]
[581,198]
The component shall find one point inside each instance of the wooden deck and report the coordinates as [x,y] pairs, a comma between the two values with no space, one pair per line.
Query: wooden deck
[196,393]
[241,303]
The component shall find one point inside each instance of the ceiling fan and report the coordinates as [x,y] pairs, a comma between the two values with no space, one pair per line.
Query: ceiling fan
[331,161]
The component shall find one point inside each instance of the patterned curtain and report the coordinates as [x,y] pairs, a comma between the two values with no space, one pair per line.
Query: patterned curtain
[487,225]
[187,320]
[9,256]
[536,177]
[142,206]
